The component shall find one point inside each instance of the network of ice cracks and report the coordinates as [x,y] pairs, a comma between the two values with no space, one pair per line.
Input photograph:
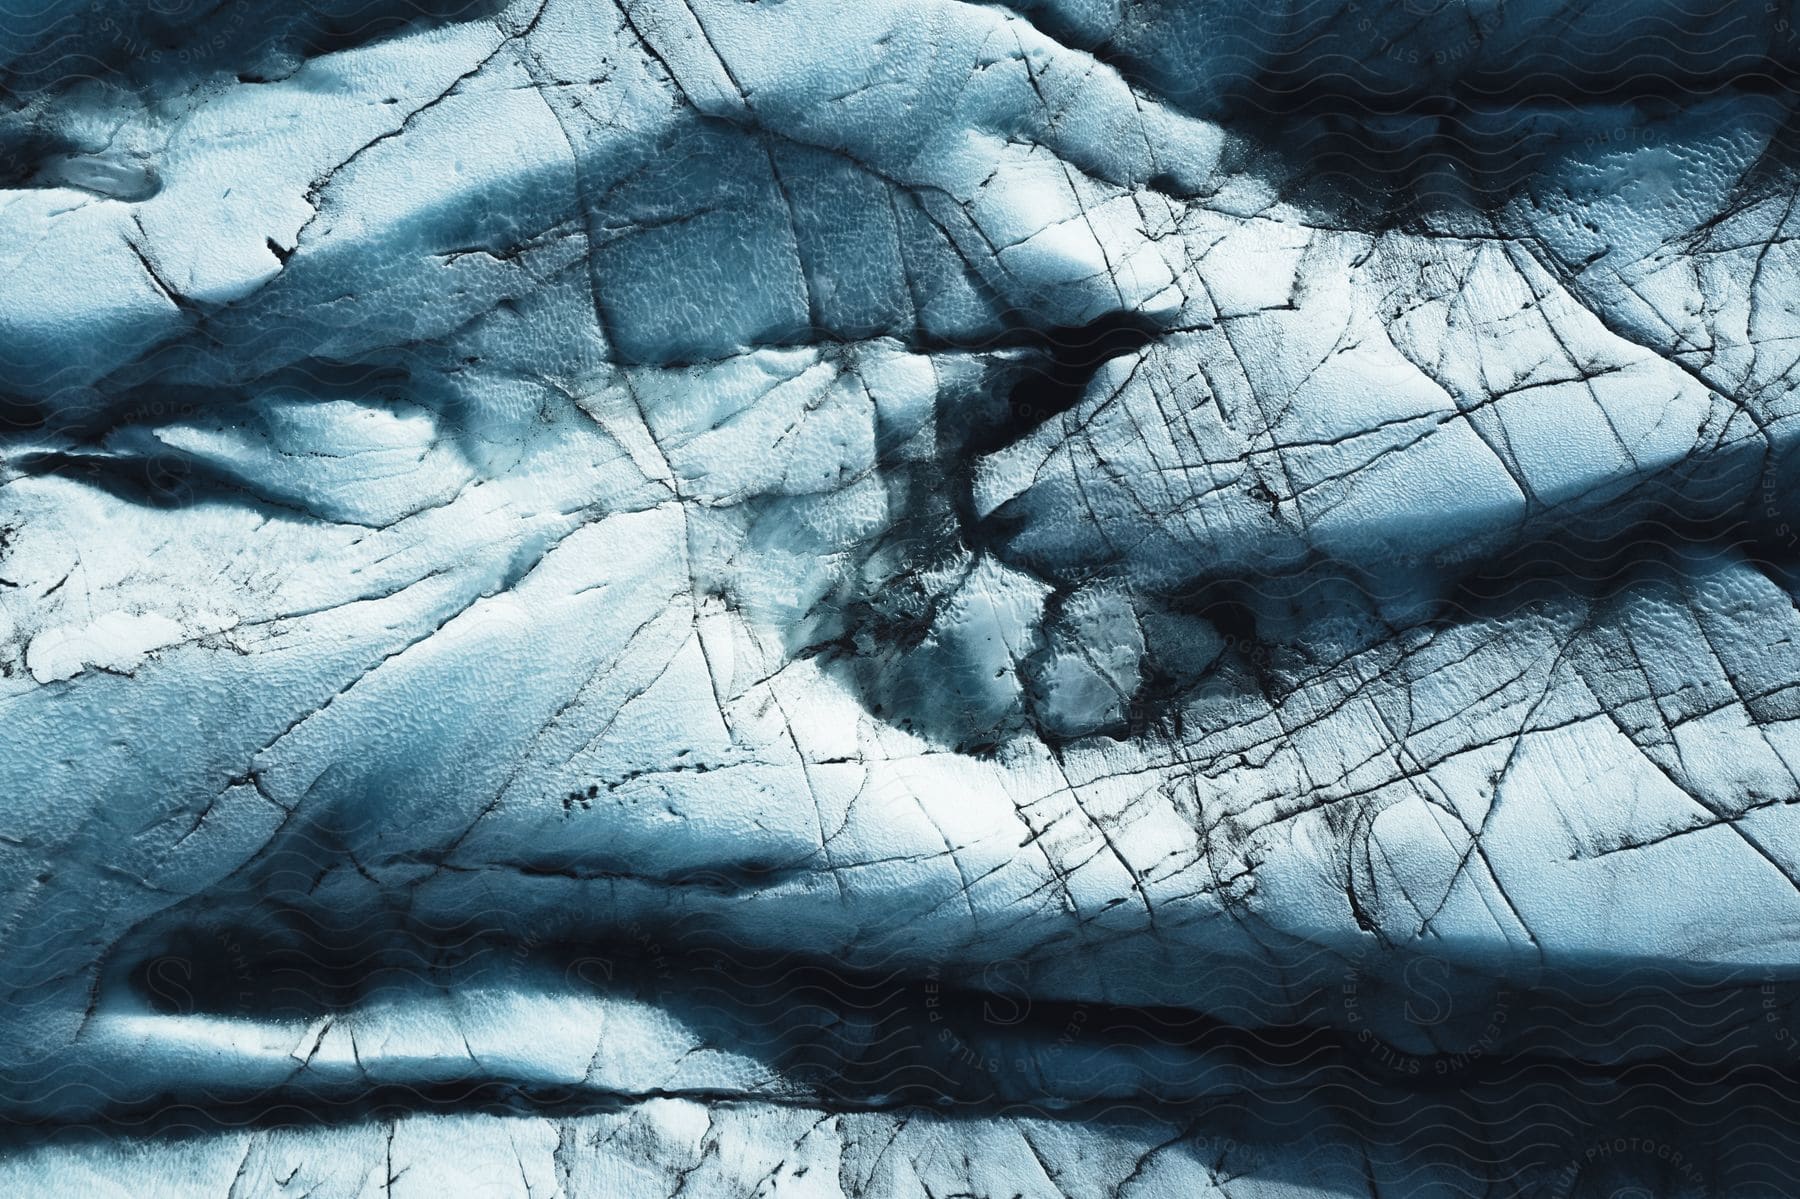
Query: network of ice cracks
[899,597]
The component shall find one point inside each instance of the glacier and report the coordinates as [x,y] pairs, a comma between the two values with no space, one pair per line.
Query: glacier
[853,598]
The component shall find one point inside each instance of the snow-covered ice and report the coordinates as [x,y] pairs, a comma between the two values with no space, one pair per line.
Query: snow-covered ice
[852,598]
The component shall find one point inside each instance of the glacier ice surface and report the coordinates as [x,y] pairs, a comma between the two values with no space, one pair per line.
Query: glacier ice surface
[890,597]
